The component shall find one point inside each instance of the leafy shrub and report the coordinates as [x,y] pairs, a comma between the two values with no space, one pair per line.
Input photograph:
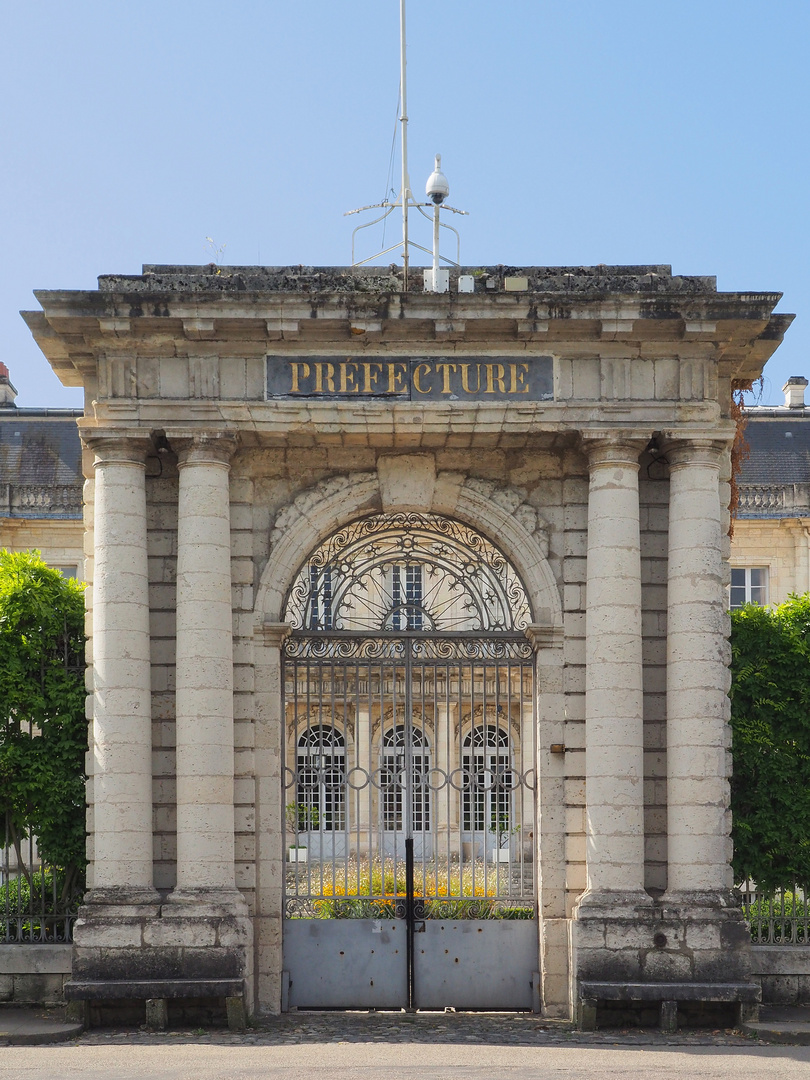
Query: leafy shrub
[770,717]
[43,730]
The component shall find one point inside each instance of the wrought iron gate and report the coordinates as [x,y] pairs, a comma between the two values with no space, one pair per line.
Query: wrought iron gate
[410,783]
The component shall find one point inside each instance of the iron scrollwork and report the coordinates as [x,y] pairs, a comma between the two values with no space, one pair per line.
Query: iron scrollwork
[408,571]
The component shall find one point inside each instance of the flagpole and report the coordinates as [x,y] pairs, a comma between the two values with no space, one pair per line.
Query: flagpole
[406,187]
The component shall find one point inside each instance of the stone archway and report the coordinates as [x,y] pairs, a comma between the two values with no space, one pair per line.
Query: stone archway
[410,482]
[406,483]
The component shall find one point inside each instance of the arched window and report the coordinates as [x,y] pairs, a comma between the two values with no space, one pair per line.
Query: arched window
[487,792]
[321,780]
[393,780]
[408,573]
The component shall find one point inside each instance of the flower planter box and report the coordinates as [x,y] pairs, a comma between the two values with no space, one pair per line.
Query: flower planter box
[297,854]
[500,855]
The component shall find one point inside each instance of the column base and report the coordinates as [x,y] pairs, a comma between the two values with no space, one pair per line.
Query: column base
[193,940]
[691,940]
[610,933]
[205,902]
[609,902]
[713,932]
[118,896]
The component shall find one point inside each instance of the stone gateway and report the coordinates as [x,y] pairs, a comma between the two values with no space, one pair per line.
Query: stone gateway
[408,662]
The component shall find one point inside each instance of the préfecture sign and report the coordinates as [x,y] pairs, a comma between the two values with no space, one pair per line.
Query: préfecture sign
[419,378]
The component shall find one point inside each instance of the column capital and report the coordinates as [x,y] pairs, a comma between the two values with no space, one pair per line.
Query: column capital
[119,449]
[207,448]
[683,452]
[612,449]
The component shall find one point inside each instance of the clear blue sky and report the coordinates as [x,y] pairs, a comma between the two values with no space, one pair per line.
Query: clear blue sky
[574,131]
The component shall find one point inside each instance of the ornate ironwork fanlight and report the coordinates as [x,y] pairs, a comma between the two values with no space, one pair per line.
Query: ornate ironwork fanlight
[408,572]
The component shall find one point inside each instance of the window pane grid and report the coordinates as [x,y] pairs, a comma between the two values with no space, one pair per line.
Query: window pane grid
[749,585]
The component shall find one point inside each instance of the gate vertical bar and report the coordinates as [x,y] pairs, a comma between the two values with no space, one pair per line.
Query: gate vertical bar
[410,922]
[408,813]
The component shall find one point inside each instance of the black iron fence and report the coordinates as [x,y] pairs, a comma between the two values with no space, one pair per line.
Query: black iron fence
[781,917]
[38,902]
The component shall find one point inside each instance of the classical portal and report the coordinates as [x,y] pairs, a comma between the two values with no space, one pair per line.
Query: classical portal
[409,637]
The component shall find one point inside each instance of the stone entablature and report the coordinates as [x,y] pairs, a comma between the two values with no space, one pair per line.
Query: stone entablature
[610,500]
[144,335]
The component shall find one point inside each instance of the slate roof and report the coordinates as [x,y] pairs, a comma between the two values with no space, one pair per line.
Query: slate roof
[40,463]
[779,442]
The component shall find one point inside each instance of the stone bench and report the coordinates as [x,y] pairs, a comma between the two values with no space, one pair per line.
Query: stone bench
[156,993]
[667,994]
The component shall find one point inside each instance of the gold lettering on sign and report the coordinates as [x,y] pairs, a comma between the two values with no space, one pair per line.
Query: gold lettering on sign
[465,378]
[396,375]
[432,378]
[371,373]
[495,374]
[347,377]
[326,383]
[417,372]
[295,389]
[518,374]
[447,370]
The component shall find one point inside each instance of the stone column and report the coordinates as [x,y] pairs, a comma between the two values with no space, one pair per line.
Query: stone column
[205,817]
[122,727]
[614,759]
[699,849]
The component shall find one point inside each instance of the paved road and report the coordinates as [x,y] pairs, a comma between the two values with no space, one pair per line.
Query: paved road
[187,1060]
[401,1046]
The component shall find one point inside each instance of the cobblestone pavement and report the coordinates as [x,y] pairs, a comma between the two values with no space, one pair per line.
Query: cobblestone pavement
[488,1029]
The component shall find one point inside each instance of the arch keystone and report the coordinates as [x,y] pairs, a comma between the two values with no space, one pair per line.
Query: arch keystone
[407,481]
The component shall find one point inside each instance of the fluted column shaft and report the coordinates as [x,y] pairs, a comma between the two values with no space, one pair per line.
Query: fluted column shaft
[122,728]
[205,759]
[614,759]
[697,675]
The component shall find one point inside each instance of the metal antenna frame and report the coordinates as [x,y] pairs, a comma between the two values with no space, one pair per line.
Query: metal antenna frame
[405,197]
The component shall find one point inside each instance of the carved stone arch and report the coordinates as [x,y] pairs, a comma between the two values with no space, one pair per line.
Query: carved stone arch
[496,510]
[344,723]
[470,720]
[503,513]
[303,524]
[379,725]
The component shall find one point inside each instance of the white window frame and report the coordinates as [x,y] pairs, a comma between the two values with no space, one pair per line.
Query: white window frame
[762,600]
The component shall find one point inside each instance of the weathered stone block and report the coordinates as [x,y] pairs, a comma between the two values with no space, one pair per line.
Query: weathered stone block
[157,1014]
[38,989]
[181,932]
[237,1016]
[667,966]
[780,989]
[703,935]
[111,932]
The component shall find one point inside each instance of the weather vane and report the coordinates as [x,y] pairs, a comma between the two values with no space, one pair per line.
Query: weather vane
[437,279]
